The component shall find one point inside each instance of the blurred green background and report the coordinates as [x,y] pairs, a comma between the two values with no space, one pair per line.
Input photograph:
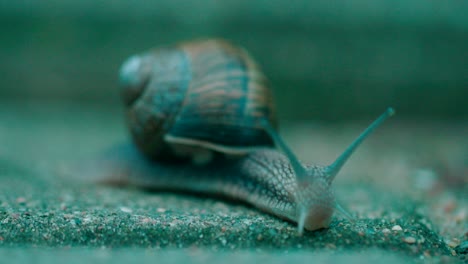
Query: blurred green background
[327,60]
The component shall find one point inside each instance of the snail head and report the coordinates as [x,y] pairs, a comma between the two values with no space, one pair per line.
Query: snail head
[315,201]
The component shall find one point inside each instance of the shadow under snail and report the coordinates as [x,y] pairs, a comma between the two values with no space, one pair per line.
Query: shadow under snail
[201,116]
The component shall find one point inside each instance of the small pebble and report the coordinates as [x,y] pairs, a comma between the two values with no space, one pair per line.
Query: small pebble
[87,219]
[450,206]
[396,228]
[147,220]
[126,209]
[67,216]
[21,200]
[425,179]
[453,243]
[161,210]
[331,246]
[386,231]
[461,216]
[410,240]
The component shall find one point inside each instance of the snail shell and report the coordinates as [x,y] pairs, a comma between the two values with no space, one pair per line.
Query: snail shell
[184,99]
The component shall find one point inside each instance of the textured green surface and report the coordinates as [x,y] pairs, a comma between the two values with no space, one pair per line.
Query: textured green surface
[41,207]
[45,211]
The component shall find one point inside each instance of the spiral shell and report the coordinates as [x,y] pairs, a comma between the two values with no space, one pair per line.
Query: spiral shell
[196,95]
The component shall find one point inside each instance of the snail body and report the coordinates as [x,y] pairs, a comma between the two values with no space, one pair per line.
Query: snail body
[253,171]
[262,178]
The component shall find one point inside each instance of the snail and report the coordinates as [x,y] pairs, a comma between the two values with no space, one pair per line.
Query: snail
[209,99]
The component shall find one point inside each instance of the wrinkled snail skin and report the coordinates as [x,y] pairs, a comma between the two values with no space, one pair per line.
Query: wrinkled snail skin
[200,97]
[263,178]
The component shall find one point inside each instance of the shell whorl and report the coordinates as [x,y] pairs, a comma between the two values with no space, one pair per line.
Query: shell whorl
[207,94]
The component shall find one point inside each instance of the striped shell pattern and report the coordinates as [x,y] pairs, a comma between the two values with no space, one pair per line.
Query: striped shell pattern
[204,94]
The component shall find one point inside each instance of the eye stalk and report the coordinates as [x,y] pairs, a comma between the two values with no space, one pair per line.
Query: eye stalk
[314,198]
[336,166]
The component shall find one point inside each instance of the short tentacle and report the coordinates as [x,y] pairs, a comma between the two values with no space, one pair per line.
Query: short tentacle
[344,212]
